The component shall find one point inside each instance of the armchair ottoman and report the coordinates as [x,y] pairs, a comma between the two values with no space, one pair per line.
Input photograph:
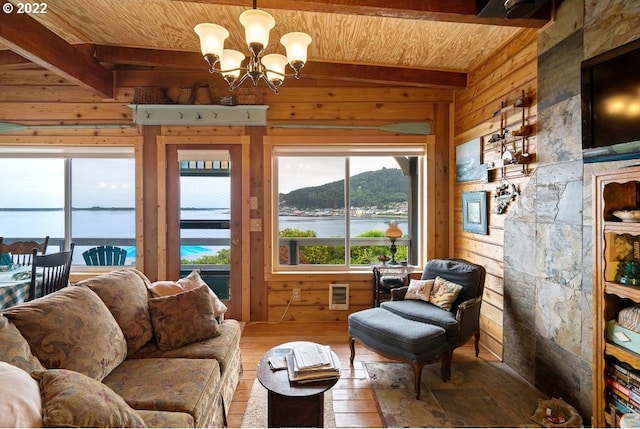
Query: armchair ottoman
[401,339]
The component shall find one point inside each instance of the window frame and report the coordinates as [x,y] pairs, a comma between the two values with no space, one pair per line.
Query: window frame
[357,145]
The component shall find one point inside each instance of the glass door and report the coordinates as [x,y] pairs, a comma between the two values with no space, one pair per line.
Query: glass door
[199,235]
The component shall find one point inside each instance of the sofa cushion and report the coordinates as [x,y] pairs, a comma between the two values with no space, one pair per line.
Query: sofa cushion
[166,419]
[71,399]
[71,329]
[15,349]
[183,318]
[220,348]
[444,293]
[424,312]
[419,289]
[20,403]
[124,292]
[224,348]
[183,385]
[193,280]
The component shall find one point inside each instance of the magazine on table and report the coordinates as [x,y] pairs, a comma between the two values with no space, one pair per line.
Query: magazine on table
[277,360]
[318,371]
[311,355]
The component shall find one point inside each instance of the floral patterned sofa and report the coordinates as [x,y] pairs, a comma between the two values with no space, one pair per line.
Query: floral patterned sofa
[112,352]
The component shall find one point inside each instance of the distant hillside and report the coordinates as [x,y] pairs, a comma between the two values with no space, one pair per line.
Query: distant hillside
[380,188]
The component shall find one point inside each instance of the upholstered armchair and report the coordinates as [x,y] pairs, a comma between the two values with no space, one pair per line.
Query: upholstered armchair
[462,319]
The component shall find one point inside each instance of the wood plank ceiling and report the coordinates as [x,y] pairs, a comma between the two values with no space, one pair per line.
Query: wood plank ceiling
[401,42]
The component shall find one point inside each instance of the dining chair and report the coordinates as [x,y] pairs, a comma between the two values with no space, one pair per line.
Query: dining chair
[20,252]
[105,255]
[50,273]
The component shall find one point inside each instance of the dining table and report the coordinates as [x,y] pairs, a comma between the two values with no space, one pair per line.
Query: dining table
[14,286]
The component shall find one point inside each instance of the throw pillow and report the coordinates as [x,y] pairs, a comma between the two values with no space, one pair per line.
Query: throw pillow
[71,329]
[124,292]
[419,289]
[192,281]
[444,293]
[20,404]
[183,318]
[165,288]
[15,349]
[71,399]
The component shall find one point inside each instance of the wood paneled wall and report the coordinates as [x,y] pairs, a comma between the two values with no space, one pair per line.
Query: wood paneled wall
[500,79]
[35,97]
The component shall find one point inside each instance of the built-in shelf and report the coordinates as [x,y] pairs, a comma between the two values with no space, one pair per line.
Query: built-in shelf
[199,114]
[612,190]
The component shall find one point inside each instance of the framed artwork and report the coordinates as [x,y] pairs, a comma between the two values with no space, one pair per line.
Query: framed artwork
[468,161]
[474,212]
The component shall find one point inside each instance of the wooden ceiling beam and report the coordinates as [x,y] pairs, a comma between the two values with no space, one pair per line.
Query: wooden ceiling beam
[320,70]
[463,11]
[149,57]
[25,36]
[398,76]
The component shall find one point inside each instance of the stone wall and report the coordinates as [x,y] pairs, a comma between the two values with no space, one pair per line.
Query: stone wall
[548,336]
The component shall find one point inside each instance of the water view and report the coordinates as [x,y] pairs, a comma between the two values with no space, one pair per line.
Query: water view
[120,224]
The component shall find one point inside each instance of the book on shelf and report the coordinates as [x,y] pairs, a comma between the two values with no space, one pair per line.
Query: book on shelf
[317,372]
[625,370]
[623,395]
[616,404]
[627,377]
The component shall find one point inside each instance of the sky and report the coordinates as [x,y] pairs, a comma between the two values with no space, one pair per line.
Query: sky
[111,182]
[40,182]
[302,172]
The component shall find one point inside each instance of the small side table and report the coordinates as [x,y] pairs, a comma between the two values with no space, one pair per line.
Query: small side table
[291,404]
[387,277]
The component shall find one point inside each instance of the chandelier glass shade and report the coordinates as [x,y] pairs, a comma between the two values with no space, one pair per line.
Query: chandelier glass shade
[269,68]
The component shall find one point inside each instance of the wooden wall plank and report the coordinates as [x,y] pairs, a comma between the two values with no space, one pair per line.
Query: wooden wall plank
[39,77]
[67,112]
[376,95]
[295,112]
[46,93]
[499,79]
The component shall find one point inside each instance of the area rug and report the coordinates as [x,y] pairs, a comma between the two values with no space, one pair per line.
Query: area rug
[255,415]
[479,394]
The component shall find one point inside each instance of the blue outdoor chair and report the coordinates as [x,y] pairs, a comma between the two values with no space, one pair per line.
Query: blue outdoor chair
[105,255]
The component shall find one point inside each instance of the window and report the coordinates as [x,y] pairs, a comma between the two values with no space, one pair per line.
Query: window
[334,205]
[87,199]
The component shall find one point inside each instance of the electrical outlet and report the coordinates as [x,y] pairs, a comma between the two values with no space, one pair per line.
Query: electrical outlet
[296,294]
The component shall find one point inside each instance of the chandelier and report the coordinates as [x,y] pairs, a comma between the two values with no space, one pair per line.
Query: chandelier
[269,68]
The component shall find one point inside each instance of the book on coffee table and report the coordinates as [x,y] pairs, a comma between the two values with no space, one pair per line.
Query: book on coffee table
[317,372]
[311,355]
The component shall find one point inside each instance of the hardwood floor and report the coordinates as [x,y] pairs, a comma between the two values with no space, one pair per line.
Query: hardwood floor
[353,401]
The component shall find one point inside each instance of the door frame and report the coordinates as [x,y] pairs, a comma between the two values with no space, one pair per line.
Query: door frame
[169,200]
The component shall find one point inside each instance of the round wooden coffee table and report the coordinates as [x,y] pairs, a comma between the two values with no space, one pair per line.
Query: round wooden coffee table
[291,404]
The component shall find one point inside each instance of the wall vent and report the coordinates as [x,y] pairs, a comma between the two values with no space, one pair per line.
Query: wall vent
[338,297]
